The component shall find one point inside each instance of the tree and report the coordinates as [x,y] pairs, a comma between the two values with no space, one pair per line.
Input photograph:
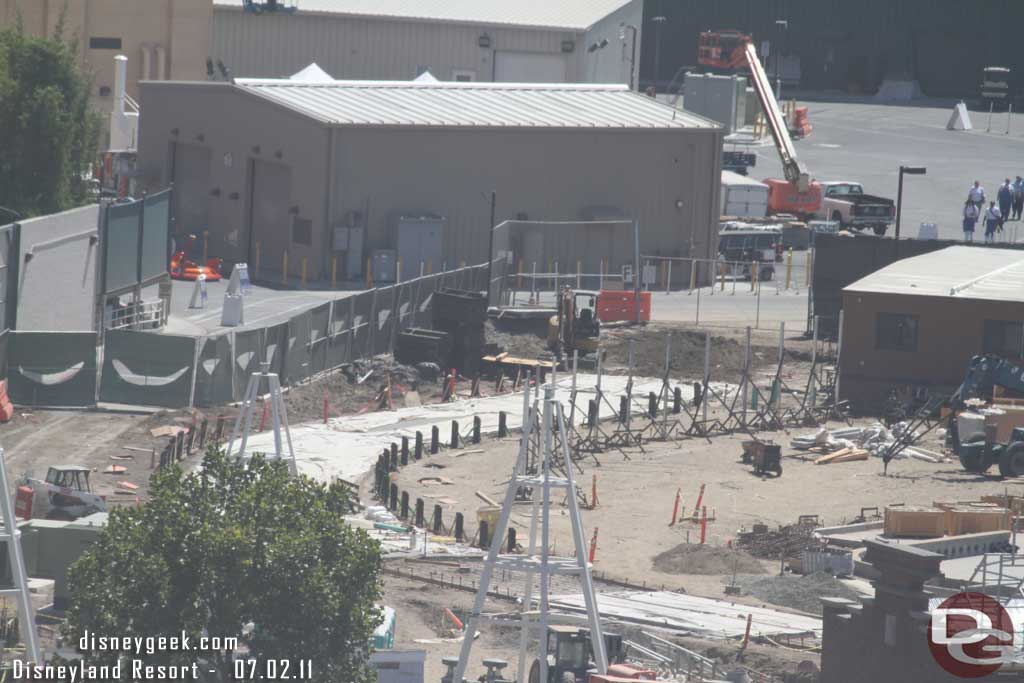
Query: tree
[48,132]
[240,551]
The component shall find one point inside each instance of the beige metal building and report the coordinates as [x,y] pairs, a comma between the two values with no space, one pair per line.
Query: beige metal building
[915,324]
[340,169]
[163,39]
[527,41]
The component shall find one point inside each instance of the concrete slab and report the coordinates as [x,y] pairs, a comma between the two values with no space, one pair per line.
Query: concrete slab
[347,447]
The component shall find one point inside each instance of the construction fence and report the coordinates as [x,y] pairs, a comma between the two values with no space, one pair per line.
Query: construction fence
[75,369]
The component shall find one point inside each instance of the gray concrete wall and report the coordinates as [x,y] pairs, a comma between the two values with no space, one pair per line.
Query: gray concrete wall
[57,285]
[237,128]
[371,48]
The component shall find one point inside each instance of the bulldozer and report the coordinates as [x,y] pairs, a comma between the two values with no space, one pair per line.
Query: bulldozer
[575,326]
[64,495]
[570,658]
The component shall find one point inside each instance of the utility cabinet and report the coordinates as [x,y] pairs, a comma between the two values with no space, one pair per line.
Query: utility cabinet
[419,239]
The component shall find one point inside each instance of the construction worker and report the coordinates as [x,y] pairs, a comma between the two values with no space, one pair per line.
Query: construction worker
[977,195]
[1005,197]
[993,218]
[970,220]
[1018,198]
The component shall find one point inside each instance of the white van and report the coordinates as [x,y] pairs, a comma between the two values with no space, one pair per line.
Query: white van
[743,197]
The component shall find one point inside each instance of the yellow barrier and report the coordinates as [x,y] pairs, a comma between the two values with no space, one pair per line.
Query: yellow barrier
[789,266]
[284,269]
[807,270]
[369,273]
[334,272]
[302,279]
[755,270]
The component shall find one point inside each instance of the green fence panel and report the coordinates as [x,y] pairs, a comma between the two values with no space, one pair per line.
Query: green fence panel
[213,372]
[52,368]
[142,368]
[120,242]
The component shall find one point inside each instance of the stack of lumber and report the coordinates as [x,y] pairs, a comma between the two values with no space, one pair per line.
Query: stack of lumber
[848,454]
[914,521]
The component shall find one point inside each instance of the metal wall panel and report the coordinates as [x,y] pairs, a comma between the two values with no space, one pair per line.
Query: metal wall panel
[248,354]
[362,326]
[52,368]
[120,242]
[156,227]
[142,368]
[214,377]
[371,49]
[298,363]
[383,320]
[319,320]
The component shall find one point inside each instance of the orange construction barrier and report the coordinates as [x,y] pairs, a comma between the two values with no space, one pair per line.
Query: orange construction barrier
[23,503]
[6,408]
[618,305]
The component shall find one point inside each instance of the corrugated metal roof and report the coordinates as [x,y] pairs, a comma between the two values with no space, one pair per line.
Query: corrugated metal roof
[483,105]
[956,272]
[574,15]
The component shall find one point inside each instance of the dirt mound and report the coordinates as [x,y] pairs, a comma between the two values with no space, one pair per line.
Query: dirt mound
[796,592]
[687,352]
[688,558]
[345,395]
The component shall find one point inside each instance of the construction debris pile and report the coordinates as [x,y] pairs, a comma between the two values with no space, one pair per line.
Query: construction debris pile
[857,443]
[785,541]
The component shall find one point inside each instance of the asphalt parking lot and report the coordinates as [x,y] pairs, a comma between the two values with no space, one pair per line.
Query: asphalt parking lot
[868,143]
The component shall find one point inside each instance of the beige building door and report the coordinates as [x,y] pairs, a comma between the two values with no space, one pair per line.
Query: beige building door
[270,224]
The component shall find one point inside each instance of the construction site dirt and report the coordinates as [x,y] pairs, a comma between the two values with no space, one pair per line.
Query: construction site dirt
[638,544]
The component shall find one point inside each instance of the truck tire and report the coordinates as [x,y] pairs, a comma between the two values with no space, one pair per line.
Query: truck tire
[838,218]
[534,676]
[880,230]
[974,463]
[1011,461]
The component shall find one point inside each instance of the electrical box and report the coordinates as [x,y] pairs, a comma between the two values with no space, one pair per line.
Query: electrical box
[383,263]
[419,241]
[347,243]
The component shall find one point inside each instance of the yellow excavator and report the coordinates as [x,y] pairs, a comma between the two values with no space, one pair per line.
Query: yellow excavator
[575,326]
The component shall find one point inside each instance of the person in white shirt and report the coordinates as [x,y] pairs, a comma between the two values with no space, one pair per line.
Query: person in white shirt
[977,195]
[992,219]
[970,220]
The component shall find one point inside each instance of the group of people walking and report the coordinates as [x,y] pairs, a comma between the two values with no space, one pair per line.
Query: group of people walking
[1007,206]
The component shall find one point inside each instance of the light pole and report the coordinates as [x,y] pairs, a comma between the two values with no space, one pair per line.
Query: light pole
[632,54]
[657,21]
[490,247]
[904,170]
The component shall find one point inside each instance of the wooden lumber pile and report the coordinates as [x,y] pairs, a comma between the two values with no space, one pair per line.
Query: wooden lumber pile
[914,521]
[848,454]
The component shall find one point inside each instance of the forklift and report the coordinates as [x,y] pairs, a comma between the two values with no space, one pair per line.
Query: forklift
[575,326]
[570,658]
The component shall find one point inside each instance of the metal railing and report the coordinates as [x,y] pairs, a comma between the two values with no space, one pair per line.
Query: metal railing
[137,315]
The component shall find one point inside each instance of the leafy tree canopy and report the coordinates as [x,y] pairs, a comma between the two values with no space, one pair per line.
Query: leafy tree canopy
[234,550]
[48,132]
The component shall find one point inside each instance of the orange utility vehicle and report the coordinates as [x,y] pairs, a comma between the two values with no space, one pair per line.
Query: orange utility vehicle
[797,194]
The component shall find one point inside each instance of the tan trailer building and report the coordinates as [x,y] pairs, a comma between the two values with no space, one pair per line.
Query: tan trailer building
[914,325]
[341,169]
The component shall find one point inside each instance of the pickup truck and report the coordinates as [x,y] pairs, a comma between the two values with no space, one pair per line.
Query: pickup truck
[846,204]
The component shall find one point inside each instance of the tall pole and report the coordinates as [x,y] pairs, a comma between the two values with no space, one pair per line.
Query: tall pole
[658,21]
[636,271]
[899,207]
[490,247]
[632,59]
